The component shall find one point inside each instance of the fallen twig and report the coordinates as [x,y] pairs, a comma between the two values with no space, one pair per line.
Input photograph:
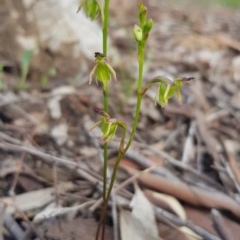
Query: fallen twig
[13,227]
[168,217]
[219,225]
[51,160]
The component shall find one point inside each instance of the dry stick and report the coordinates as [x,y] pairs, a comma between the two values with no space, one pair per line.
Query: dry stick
[115,217]
[188,150]
[64,162]
[1,223]
[194,195]
[168,217]
[230,173]
[230,169]
[12,226]
[172,136]
[28,234]
[16,175]
[219,225]
[143,161]
[25,114]
[57,198]
[217,115]
[51,160]
[132,178]
[7,138]
[122,185]
[206,136]
[233,165]
[30,224]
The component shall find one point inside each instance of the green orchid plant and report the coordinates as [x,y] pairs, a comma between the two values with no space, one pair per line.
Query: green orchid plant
[103,72]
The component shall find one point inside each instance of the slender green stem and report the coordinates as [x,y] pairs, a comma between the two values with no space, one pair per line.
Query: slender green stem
[105,19]
[105,146]
[141,51]
[105,91]
[105,98]
[114,173]
[105,26]
[105,153]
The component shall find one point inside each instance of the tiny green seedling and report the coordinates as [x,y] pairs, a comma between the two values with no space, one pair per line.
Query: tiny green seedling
[103,72]
[44,81]
[24,68]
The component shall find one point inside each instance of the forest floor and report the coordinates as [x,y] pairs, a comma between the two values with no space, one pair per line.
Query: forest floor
[185,157]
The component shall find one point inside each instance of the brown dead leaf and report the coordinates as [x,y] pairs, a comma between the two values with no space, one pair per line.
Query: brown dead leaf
[177,208]
[35,199]
[140,223]
[131,228]
[194,195]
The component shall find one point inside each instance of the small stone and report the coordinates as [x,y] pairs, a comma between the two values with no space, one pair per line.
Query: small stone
[60,133]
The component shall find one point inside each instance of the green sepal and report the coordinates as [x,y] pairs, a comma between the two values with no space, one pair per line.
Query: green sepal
[91,8]
[167,91]
[142,14]
[138,33]
[103,71]
[109,129]
[147,26]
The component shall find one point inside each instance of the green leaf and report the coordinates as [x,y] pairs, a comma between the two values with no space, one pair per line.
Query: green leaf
[25,61]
